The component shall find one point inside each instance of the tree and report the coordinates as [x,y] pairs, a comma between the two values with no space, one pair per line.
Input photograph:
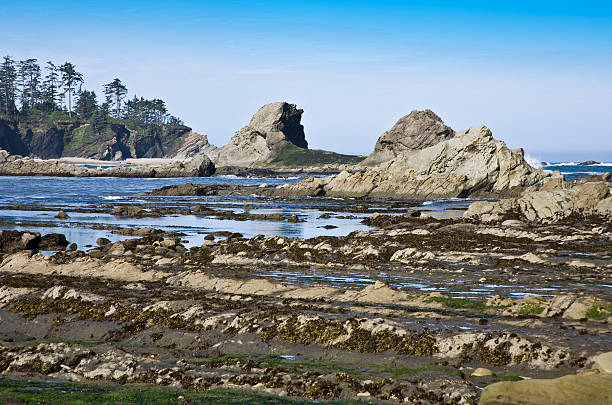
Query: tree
[50,86]
[86,105]
[8,75]
[70,78]
[29,80]
[115,92]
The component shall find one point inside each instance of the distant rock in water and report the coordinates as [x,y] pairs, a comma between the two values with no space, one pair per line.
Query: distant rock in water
[588,163]
[470,164]
[417,130]
[198,166]
[273,127]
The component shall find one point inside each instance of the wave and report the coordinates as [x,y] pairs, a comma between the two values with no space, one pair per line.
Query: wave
[533,161]
[578,164]
[112,197]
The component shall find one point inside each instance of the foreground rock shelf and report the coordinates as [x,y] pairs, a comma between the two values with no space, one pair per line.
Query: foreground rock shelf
[232,314]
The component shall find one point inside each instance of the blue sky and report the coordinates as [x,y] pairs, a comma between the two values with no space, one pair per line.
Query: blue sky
[537,73]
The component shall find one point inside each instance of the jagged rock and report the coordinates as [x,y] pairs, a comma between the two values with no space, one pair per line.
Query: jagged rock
[16,241]
[193,144]
[568,390]
[417,130]
[592,198]
[273,127]
[588,163]
[472,163]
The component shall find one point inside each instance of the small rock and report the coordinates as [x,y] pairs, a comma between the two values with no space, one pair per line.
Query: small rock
[62,215]
[102,241]
[73,247]
[481,372]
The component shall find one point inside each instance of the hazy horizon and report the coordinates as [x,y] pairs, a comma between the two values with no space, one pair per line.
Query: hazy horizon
[538,75]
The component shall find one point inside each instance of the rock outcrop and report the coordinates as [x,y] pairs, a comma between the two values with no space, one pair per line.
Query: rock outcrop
[417,130]
[273,127]
[193,144]
[547,206]
[112,141]
[470,164]
[198,166]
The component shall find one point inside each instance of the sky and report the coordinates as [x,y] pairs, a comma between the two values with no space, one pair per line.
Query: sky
[537,73]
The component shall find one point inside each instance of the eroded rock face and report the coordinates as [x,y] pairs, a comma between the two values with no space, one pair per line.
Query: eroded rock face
[472,163]
[193,144]
[273,127]
[592,198]
[417,130]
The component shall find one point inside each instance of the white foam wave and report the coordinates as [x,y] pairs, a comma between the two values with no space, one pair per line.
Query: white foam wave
[112,197]
[533,161]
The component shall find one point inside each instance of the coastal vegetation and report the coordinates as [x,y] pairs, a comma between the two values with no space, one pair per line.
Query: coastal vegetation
[46,111]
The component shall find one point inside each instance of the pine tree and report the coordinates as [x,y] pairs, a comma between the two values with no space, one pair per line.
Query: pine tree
[115,92]
[51,84]
[70,78]
[86,105]
[8,76]
[29,81]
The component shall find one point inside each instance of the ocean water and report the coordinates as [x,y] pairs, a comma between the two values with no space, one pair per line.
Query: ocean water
[44,196]
[573,170]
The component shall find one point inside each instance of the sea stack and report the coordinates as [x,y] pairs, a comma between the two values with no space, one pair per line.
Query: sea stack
[274,127]
[417,130]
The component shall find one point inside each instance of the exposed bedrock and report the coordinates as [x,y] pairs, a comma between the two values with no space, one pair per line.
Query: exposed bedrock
[198,166]
[417,130]
[273,127]
[593,198]
[470,164]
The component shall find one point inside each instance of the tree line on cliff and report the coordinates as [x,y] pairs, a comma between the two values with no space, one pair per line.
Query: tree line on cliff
[29,91]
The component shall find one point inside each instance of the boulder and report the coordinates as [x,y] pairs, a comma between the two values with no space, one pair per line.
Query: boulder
[274,127]
[567,390]
[17,241]
[417,130]
[470,164]
[53,241]
[603,362]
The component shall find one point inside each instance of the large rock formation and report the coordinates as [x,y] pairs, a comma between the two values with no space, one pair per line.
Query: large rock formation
[472,163]
[273,127]
[417,130]
[593,198]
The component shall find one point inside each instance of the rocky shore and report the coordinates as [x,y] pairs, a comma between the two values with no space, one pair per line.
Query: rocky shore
[10,165]
[149,311]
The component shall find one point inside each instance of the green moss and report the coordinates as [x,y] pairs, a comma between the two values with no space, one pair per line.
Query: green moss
[599,312]
[295,156]
[530,308]
[22,392]
[458,303]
